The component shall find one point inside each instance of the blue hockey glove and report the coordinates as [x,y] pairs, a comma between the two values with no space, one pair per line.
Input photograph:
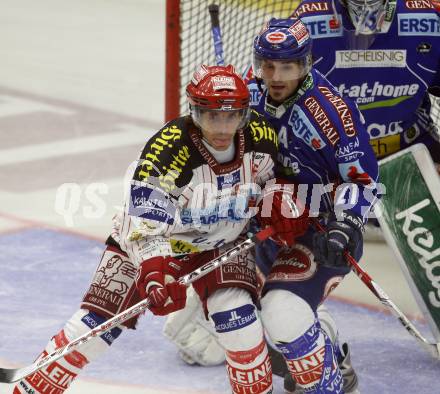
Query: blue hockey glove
[341,235]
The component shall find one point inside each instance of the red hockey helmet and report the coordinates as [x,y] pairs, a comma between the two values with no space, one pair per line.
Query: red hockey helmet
[217,88]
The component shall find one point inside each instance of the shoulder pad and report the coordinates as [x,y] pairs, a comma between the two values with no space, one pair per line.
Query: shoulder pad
[262,131]
[307,8]
[165,154]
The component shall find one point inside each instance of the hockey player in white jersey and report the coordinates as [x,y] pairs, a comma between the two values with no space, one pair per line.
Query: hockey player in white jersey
[188,201]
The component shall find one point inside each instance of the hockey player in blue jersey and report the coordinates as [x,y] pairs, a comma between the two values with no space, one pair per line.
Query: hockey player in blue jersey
[385,55]
[394,59]
[324,150]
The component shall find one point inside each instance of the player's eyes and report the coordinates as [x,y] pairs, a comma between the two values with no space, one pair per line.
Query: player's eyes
[288,66]
[212,115]
[233,115]
[225,116]
[269,67]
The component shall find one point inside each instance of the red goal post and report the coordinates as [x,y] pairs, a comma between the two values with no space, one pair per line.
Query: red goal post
[189,41]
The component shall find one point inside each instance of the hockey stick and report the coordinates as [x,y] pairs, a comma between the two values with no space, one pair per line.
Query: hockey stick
[216,34]
[433,348]
[16,374]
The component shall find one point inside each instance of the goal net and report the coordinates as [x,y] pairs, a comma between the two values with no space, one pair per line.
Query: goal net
[189,39]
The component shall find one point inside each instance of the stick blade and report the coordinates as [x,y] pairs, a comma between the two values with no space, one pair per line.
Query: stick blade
[11,375]
[7,375]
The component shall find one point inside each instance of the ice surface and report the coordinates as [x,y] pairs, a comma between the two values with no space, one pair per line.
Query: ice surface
[44,274]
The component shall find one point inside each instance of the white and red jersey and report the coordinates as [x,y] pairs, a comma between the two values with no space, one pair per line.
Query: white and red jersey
[181,200]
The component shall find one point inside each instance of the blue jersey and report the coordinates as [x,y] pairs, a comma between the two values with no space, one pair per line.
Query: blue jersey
[322,144]
[389,80]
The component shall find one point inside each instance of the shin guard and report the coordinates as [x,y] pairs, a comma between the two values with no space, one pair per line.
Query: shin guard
[57,377]
[250,372]
[312,362]
[240,333]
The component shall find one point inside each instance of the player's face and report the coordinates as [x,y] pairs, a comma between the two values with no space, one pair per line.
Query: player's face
[219,127]
[281,78]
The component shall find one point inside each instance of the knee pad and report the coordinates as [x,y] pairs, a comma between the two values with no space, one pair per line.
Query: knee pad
[235,319]
[240,332]
[307,349]
[285,316]
[327,323]
[312,363]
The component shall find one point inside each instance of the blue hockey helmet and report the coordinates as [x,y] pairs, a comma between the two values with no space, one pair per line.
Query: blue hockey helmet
[284,40]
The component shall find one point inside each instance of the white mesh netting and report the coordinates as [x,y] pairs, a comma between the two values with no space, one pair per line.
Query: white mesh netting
[240,21]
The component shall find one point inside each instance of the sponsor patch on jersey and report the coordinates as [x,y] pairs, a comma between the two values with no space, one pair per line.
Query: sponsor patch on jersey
[334,23]
[320,116]
[155,246]
[323,26]
[366,95]
[293,264]
[310,8]
[110,288]
[353,172]
[234,319]
[419,4]
[371,58]
[159,152]
[231,209]
[299,31]
[342,109]
[420,24]
[240,270]
[228,180]
[349,152]
[150,203]
[179,246]
[262,131]
[424,47]
[304,130]
[290,167]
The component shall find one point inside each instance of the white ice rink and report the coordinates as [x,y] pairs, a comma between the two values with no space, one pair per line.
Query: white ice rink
[81,88]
